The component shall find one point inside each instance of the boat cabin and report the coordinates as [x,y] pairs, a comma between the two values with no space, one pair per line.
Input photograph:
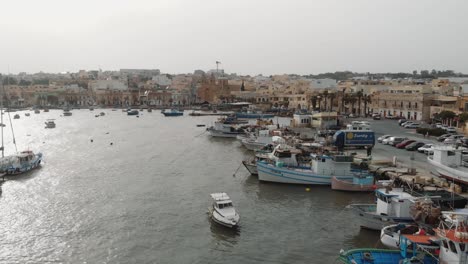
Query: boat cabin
[221,200]
[449,156]
[393,202]
[454,238]
[335,164]
[285,155]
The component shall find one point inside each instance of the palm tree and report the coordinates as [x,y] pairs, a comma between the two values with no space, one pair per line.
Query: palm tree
[352,100]
[359,95]
[332,96]
[325,97]
[342,108]
[367,100]
[314,102]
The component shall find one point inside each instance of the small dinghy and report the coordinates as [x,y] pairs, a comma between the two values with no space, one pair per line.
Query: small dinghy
[222,211]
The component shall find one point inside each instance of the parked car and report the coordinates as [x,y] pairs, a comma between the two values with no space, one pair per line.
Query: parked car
[377,117]
[452,139]
[413,125]
[464,142]
[406,123]
[401,121]
[438,125]
[451,130]
[425,148]
[415,146]
[380,139]
[443,137]
[387,141]
[396,140]
[404,143]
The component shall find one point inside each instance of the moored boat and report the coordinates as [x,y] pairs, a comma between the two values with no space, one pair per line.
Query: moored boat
[322,168]
[251,166]
[411,251]
[393,206]
[358,183]
[132,112]
[448,162]
[250,115]
[222,211]
[66,112]
[20,163]
[50,123]
[16,116]
[172,112]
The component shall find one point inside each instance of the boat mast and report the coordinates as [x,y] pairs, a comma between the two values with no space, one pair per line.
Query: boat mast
[1,114]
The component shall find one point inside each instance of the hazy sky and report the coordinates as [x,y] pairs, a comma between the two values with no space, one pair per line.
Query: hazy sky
[247,36]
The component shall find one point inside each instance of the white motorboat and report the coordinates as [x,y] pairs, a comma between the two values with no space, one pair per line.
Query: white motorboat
[227,128]
[448,162]
[222,211]
[393,206]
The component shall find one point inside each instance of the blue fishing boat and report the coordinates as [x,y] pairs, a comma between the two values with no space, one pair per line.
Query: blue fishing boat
[172,112]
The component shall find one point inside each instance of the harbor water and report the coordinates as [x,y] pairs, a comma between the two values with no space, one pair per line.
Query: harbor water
[127,189]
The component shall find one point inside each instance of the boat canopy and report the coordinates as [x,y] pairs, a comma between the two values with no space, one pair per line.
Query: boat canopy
[220,197]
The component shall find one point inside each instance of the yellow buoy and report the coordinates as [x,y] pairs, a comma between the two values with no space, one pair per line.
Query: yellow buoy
[307,189]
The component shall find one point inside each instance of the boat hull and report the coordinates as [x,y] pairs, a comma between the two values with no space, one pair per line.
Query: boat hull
[23,168]
[366,213]
[173,114]
[342,185]
[251,167]
[217,218]
[270,173]
[252,145]
[217,133]
[449,173]
[379,256]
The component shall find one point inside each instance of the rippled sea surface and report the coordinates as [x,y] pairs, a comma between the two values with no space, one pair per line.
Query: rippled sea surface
[144,198]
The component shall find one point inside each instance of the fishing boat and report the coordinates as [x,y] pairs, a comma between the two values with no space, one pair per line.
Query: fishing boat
[150,110]
[102,114]
[27,114]
[17,163]
[393,206]
[37,111]
[222,211]
[358,183]
[323,166]
[413,249]
[50,123]
[132,112]
[257,142]
[46,110]
[448,162]
[16,116]
[227,127]
[251,166]
[453,236]
[66,112]
[172,112]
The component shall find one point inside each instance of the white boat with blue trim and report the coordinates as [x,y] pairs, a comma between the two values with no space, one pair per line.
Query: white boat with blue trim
[319,170]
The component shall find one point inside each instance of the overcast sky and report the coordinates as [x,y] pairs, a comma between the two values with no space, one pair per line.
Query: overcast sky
[247,36]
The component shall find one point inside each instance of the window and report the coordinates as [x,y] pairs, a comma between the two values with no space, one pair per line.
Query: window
[415,105]
[452,247]
[220,206]
[462,247]
[450,153]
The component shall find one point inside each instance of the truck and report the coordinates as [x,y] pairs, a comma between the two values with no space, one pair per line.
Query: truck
[354,138]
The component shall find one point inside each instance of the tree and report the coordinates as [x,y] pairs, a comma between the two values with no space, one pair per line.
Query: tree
[359,95]
[367,99]
[332,96]
[313,100]
[325,97]
[352,99]
[463,117]
[415,73]
[444,115]
[9,81]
